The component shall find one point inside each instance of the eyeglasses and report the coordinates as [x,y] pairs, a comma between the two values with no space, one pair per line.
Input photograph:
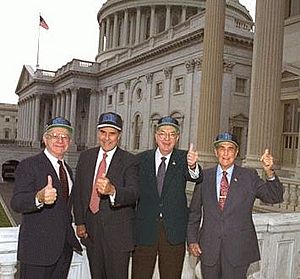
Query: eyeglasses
[58,137]
[163,135]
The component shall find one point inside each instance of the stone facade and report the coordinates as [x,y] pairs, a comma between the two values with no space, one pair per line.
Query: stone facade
[149,64]
[8,122]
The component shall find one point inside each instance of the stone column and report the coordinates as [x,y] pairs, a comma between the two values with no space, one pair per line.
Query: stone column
[68,104]
[32,114]
[36,139]
[138,25]
[46,113]
[168,17]
[57,110]
[26,120]
[53,111]
[63,103]
[93,118]
[101,36]
[264,119]
[72,119]
[131,28]
[167,88]
[125,28]
[127,113]
[211,79]
[183,13]
[149,78]
[108,34]
[152,21]
[115,31]
[188,91]
[297,169]
[20,121]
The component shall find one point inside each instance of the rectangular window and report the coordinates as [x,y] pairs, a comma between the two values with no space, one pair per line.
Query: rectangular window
[109,100]
[159,89]
[240,85]
[6,134]
[121,97]
[179,85]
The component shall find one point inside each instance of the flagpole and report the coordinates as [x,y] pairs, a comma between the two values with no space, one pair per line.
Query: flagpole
[38,47]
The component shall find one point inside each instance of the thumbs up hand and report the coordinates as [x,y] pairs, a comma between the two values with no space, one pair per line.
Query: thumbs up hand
[192,157]
[47,195]
[267,162]
[104,186]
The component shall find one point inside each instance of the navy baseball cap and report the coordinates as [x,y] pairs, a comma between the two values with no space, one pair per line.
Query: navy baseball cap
[168,121]
[110,119]
[226,137]
[59,122]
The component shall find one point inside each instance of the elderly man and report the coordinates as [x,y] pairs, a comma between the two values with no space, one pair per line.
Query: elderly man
[106,190]
[162,211]
[226,241]
[42,193]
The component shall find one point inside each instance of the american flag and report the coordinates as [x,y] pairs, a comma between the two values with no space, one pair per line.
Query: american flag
[43,23]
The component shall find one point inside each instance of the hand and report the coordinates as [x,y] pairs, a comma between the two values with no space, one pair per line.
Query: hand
[192,157]
[194,249]
[267,162]
[47,195]
[104,186]
[81,231]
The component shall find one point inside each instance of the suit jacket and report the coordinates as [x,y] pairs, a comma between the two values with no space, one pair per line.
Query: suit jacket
[43,231]
[232,229]
[172,203]
[117,219]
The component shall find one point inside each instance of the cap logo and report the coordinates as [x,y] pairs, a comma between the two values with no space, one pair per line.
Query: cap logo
[109,118]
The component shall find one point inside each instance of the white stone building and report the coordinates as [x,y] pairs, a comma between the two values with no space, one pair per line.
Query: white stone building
[149,64]
[8,122]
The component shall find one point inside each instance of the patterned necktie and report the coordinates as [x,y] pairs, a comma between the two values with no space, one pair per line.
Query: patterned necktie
[224,187]
[95,197]
[161,175]
[63,180]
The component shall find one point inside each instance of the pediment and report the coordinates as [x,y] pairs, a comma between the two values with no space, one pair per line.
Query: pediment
[26,77]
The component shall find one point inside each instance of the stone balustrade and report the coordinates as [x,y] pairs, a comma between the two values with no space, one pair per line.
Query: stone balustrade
[279,241]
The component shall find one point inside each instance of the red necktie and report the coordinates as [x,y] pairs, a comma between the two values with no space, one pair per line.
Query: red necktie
[95,197]
[63,180]
[224,187]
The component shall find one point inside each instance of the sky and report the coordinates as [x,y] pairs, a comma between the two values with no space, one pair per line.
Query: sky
[73,33]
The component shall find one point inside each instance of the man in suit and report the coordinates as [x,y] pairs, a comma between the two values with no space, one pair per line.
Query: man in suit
[43,196]
[223,203]
[106,190]
[162,211]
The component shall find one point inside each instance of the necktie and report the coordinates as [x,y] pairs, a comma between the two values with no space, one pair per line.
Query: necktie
[224,187]
[63,180]
[95,198]
[161,175]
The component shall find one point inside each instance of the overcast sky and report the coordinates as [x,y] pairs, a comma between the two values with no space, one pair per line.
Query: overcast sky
[73,33]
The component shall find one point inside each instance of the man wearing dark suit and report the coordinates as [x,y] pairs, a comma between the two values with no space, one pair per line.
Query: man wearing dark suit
[46,237]
[162,211]
[106,190]
[223,202]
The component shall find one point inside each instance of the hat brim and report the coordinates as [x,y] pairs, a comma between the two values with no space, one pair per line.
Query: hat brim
[217,142]
[168,124]
[108,125]
[60,126]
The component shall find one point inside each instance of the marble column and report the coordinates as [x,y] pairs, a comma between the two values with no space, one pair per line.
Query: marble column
[46,112]
[115,31]
[92,119]
[149,86]
[108,34]
[57,110]
[264,127]
[183,13]
[63,104]
[211,79]
[152,21]
[53,110]
[101,36]
[138,25]
[297,169]
[131,28]
[168,17]
[36,129]
[32,118]
[125,28]
[68,104]
[167,88]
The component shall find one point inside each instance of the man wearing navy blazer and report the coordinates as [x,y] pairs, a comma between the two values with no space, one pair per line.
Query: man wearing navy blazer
[162,211]
[106,190]
[226,241]
[46,237]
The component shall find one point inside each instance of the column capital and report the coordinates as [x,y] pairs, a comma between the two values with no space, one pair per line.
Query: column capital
[127,84]
[149,77]
[198,63]
[190,66]
[228,66]
[168,72]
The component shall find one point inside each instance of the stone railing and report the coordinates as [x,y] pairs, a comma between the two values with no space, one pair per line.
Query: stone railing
[279,241]
[291,198]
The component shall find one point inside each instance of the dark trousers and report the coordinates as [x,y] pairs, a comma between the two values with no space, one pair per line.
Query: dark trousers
[170,259]
[59,270]
[105,261]
[223,269]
